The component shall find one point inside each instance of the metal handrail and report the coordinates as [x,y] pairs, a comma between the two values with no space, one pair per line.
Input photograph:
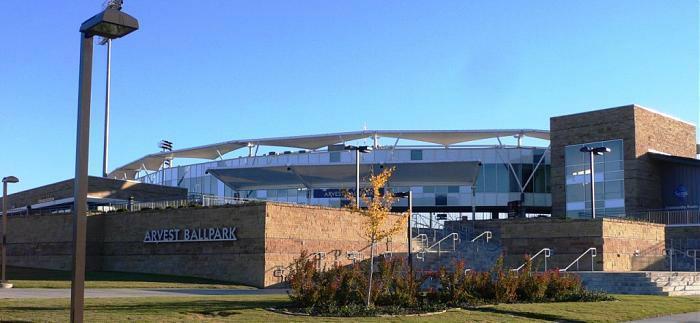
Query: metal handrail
[423,238]
[488,234]
[453,235]
[671,251]
[694,256]
[547,254]
[594,253]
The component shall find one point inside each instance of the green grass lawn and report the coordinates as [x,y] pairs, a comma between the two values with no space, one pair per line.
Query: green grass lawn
[251,309]
[44,278]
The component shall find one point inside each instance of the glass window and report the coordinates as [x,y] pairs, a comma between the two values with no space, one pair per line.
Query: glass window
[453,189]
[504,174]
[491,172]
[416,154]
[609,178]
[334,157]
[440,199]
[428,189]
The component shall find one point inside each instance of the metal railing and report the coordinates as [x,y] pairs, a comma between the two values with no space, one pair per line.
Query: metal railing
[694,257]
[547,253]
[594,253]
[423,238]
[454,236]
[672,252]
[487,234]
[688,216]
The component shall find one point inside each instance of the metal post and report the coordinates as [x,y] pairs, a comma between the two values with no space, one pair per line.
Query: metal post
[592,185]
[357,176]
[80,186]
[473,202]
[105,146]
[410,232]
[4,229]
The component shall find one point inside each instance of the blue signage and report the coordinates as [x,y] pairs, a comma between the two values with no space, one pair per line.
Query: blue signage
[331,193]
[681,192]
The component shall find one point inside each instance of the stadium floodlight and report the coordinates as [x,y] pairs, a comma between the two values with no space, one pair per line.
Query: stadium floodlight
[358,150]
[5,181]
[592,152]
[409,233]
[110,23]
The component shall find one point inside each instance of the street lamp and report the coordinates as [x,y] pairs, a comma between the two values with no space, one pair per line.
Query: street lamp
[409,196]
[358,150]
[592,152]
[110,23]
[8,179]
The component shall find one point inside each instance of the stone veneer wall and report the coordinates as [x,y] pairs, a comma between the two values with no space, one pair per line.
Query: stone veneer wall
[566,238]
[632,246]
[240,261]
[616,242]
[269,235]
[640,129]
[291,229]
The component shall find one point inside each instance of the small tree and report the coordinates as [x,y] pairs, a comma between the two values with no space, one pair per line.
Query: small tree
[377,213]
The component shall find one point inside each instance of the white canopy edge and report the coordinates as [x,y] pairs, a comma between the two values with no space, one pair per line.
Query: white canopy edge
[153,162]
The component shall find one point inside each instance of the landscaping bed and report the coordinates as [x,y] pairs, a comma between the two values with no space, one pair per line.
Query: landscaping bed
[345,291]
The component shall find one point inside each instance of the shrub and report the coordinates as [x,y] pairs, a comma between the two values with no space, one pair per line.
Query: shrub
[342,290]
[532,286]
[303,282]
[563,287]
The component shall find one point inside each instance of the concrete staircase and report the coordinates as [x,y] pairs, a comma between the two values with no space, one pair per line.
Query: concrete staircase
[478,255]
[643,283]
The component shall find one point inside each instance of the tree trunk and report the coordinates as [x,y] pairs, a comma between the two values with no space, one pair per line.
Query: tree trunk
[371,271]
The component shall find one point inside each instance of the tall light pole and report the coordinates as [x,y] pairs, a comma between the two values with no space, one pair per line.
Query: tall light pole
[592,152]
[105,146]
[8,179]
[110,23]
[358,150]
[113,4]
[409,231]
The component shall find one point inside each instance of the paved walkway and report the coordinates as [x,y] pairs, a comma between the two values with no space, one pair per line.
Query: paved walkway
[131,292]
[685,318]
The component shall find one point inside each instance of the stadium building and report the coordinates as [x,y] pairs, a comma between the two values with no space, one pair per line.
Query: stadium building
[445,169]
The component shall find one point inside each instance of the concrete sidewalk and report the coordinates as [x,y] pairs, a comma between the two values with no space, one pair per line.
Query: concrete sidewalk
[693,317]
[132,292]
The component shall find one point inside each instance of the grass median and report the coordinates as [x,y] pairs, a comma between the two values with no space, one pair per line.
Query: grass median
[43,278]
[252,309]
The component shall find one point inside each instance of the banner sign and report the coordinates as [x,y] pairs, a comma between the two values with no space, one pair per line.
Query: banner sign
[191,235]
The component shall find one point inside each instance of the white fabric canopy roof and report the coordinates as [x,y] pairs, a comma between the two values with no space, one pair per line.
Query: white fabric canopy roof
[154,161]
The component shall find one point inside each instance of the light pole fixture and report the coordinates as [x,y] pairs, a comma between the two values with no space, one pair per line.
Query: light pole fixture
[8,179]
[110,23]
[358,150]
[592,152]
[409,196]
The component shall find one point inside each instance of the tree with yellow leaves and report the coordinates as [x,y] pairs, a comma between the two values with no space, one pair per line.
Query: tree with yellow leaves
[379,223]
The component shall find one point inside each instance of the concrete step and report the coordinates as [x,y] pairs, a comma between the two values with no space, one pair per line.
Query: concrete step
[648,283]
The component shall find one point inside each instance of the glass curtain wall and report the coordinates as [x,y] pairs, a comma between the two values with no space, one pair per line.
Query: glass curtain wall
[609,180]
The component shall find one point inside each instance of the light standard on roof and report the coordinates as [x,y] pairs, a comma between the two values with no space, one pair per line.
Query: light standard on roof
[110,23]
[8,179]
[409,196]
[358,150]
[592,152]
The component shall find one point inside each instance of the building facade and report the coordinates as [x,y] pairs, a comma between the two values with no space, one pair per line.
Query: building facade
[629,178]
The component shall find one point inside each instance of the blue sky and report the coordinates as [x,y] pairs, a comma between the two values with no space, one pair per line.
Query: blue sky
[199,72]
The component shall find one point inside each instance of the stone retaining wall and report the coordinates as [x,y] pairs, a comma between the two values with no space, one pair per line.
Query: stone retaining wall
[269,235]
